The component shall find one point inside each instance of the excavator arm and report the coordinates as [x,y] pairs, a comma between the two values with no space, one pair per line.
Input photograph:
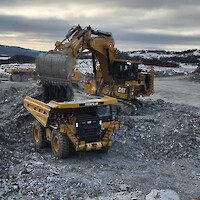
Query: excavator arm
[99,43]
[56,66]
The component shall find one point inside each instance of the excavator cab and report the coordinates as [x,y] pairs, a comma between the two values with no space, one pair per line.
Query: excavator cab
[124,71]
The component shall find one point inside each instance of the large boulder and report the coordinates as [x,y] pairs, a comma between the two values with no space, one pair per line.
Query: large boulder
[162,195]
[138,195]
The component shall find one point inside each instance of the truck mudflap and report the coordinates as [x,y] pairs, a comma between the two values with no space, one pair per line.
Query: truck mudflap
[89,146]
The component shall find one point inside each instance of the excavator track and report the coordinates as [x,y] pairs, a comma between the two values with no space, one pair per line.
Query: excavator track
[126,107]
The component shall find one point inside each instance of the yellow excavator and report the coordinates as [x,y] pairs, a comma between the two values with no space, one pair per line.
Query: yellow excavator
[113,77]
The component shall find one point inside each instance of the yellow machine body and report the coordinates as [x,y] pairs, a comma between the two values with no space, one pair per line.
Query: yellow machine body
[76,76]
[114,77]
[127,90]
[70,118]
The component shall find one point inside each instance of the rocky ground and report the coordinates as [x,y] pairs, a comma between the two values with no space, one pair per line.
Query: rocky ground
[196,75]
[159,148]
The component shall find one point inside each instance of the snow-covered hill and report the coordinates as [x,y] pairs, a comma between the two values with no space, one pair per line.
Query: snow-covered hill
[165,54]
[166,63]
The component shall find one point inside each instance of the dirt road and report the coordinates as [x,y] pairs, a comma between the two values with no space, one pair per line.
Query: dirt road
[177,90]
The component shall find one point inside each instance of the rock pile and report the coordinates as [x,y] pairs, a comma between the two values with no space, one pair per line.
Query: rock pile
[161,131]
[157,148]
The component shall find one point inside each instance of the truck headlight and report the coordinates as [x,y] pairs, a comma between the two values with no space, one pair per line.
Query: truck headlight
[100,122]
[76,124]
[132,90]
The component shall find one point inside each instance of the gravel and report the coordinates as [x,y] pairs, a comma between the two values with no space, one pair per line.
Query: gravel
[196,74]
[159,148]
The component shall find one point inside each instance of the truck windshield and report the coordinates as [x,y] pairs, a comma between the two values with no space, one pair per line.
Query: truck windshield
[103,111]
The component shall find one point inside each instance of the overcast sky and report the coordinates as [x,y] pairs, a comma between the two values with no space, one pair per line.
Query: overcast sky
[135,24]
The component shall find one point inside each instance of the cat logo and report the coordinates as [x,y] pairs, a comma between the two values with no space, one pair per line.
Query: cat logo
[121,90]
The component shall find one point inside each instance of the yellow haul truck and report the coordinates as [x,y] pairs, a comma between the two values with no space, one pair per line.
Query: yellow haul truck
[73,126]
[21,74]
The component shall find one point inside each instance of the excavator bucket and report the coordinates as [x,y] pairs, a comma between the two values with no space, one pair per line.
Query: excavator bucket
[55,66]
[55,70]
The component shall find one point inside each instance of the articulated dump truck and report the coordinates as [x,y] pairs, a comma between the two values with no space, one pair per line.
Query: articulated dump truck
[73,126]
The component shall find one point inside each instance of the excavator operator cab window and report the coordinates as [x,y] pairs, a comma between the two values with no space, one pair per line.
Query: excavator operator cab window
[125,71]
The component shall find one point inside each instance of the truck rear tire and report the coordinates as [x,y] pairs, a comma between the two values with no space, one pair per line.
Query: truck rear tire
[60,144]
[39,136]
[16,77]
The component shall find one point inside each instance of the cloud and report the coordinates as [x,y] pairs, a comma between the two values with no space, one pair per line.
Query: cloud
[134,23]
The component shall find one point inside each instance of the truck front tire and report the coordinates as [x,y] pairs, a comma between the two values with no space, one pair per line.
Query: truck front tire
[39,136]
[60,144]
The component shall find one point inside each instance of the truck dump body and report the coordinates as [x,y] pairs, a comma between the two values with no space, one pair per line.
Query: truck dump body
[86,124]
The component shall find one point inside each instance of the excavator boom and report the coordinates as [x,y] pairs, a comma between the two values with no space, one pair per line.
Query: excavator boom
[56,66]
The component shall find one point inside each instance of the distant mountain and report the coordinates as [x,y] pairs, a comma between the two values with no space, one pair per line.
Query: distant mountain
[14,50]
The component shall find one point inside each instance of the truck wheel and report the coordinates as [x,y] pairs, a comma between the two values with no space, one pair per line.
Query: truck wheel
[39,136]
[60,144]
[16,77]
[24,78]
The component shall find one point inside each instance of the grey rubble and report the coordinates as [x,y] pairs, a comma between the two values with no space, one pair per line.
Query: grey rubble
[156,149]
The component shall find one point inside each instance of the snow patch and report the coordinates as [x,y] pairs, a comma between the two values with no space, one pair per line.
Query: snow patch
[150,55]
[85,66]
[4,57]
[3,67]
